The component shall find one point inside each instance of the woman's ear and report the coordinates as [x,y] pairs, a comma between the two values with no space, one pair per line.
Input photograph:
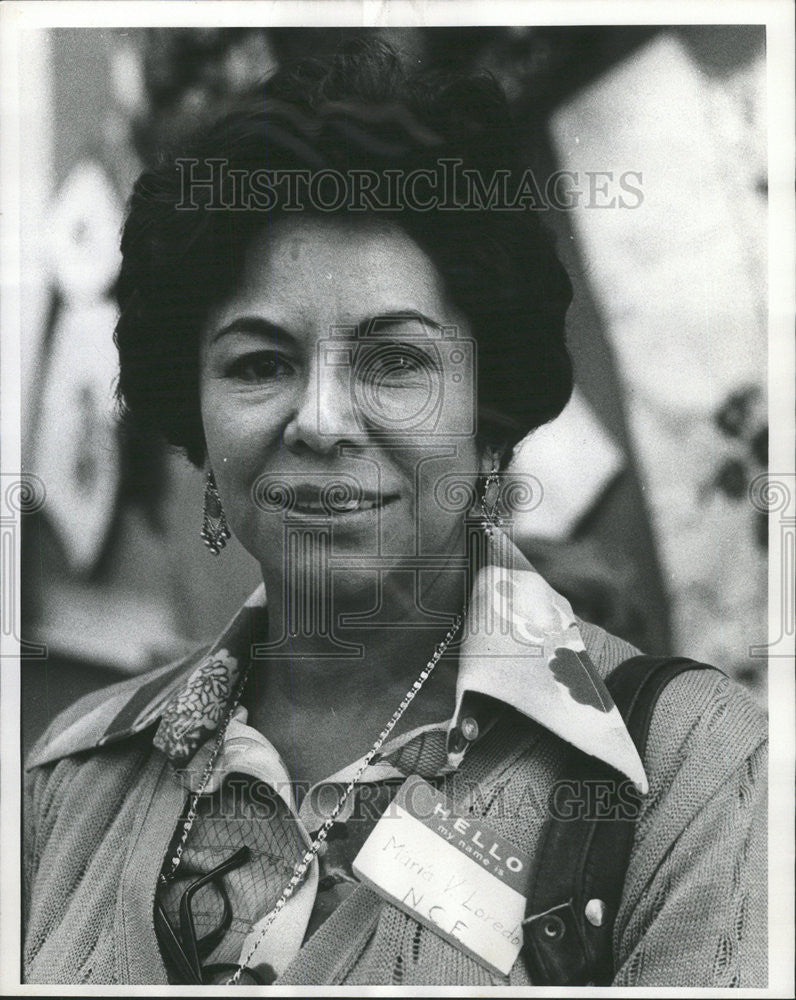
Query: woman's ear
[485,459]
[492,457]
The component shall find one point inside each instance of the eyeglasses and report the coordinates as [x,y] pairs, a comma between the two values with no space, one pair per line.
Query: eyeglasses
[185,951]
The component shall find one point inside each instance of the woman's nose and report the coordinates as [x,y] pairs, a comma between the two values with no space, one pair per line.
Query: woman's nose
[325,415]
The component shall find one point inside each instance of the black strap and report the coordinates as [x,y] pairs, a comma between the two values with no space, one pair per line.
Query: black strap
[585,845]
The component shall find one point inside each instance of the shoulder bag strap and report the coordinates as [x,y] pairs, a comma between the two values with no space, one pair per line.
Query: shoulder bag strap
[585,846]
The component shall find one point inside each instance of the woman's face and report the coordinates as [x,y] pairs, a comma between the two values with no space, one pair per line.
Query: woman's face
[338,359]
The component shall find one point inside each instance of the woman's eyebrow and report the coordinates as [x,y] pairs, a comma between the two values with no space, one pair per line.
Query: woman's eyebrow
[255,325]
[378,322]
[386,320]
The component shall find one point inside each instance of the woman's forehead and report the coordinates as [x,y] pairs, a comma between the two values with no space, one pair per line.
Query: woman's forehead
[315,271]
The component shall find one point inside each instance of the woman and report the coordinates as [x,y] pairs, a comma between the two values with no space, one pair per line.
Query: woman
[326,309]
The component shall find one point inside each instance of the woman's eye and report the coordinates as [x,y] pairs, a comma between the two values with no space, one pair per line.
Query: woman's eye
[394,364]
[263,366]
[407,363]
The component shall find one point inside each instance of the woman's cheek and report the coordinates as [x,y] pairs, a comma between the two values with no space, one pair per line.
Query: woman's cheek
[242,441]
[445,487]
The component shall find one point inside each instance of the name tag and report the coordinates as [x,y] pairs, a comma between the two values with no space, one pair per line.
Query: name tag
[451,873]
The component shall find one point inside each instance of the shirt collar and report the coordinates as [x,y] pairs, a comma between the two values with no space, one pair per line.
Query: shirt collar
[521,647]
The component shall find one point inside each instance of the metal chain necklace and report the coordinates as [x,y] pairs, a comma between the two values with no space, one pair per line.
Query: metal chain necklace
[300,869]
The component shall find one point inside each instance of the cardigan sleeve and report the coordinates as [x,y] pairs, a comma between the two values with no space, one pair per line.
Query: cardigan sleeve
[28,843]
[34,785]
[694,910]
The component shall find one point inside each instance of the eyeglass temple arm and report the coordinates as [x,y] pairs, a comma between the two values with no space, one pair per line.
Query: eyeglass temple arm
[169,943]
[205,945]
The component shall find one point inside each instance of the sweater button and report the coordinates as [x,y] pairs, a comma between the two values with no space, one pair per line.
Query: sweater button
[469,728]
[595,912]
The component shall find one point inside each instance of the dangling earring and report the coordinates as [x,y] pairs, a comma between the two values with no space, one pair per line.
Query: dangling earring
[215,530]
[490,499]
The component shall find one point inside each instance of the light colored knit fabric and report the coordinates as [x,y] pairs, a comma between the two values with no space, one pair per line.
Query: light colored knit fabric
[693,911]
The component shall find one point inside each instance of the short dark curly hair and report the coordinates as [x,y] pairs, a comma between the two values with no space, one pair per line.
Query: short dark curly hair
[357,110]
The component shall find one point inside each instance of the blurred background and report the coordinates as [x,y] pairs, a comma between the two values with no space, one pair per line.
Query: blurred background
[645,524]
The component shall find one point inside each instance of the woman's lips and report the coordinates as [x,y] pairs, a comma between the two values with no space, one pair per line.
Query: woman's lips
[338,508]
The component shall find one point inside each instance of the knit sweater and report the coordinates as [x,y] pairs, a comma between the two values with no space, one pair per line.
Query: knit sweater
[693,909]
